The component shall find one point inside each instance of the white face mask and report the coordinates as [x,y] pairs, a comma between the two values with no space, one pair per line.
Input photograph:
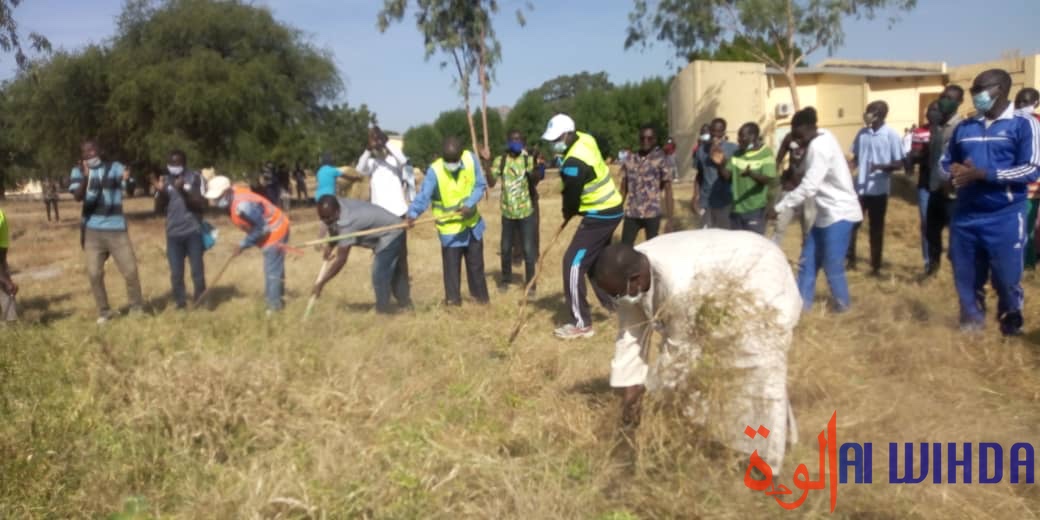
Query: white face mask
[705,137]
[93,162]
[174,170]
[627,298]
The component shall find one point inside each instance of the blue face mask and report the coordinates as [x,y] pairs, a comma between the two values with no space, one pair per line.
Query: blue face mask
[515,147]
[983,101]
[559,146]
[453,166]
[224,202]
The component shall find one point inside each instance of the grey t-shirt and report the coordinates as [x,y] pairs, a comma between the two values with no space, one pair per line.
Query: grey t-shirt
[180,221]
[357,215]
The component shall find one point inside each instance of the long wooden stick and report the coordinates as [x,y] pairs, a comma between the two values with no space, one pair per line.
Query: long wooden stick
[213,284]
[314,298]
[521,318]
[372,231]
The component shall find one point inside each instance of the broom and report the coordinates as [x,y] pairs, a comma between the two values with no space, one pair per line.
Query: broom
[211,285]
[314,298]
[521,318]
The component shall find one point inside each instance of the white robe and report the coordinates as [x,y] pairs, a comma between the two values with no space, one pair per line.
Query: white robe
[726,304]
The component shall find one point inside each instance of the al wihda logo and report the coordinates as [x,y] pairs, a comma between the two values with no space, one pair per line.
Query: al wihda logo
[908,463]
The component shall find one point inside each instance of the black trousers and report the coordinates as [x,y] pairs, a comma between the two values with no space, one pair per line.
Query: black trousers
[630,229]
[592,237]
[451,259]
[875,207]
[940,209]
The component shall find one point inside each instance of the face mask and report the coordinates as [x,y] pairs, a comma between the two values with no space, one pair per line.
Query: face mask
[223,203]
[93,162]
[515,147]
[947,106]
[174,170]
[869,118]
[559,147]
[627,298]
[983,101]
[453,166]
[705,137]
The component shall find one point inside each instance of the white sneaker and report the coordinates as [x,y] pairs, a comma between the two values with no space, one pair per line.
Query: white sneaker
[107,317]
[570,331]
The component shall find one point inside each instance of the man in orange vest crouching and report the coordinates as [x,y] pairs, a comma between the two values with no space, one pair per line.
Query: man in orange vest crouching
[266,227]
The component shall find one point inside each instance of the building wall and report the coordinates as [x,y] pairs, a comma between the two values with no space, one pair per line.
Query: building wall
[705,90]
[741,92]
[904,97]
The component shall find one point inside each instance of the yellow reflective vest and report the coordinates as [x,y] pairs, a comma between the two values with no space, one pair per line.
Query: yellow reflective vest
[600,194]
[452,192]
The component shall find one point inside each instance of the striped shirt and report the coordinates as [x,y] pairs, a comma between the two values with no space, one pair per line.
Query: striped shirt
[103,202]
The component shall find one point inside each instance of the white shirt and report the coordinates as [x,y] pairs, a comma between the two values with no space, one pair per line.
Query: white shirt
[827,180]
[388,177]
[732,294]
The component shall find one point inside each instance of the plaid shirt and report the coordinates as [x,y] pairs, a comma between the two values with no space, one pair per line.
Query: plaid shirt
[644,178]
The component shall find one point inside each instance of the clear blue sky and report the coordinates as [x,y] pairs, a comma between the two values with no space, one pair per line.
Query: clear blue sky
[388,72]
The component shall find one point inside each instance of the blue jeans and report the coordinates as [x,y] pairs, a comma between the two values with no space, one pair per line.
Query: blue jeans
[825,247]
[528,229]
[390,275]
[274,274]
[922,211]
[177,249]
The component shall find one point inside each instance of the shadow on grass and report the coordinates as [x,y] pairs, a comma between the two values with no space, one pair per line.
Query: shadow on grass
[44,306]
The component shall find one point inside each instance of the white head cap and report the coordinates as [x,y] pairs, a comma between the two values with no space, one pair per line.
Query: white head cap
[558,125]
[217,186]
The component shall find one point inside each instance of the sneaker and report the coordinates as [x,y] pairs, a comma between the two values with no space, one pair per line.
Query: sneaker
[972,327]
[570,331]
[106,317]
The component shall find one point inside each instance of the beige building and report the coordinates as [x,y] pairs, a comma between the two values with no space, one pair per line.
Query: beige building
[839,89]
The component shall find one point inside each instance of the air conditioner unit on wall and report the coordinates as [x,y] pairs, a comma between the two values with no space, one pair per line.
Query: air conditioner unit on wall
[784,109]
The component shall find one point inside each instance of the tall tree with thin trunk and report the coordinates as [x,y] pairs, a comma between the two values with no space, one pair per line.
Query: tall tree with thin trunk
[779,33]
[460,30]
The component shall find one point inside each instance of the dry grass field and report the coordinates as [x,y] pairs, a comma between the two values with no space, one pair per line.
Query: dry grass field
[221,413]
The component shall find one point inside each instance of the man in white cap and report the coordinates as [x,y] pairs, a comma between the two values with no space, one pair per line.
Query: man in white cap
[589,191]
[266,227]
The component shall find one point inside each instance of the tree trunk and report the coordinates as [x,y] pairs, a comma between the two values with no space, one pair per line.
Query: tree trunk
[481,69]
[792,83]
[472,124]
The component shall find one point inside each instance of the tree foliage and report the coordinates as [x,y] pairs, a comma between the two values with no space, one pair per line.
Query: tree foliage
[613,114]
[422,144]
[220,79]
[739,49]
[9,37]
[779,33]
[461,30]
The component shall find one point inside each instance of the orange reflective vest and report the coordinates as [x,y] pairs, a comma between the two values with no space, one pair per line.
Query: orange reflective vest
[277,223]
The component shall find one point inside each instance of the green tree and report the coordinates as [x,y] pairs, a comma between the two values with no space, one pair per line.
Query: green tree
[611,113]
[9,39]
[740,49]
[220,79]
[461,30]
[779,33]
[220,74]
[422,145]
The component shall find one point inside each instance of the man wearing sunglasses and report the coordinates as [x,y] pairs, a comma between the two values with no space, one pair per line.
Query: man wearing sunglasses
[725,304]
[990,159]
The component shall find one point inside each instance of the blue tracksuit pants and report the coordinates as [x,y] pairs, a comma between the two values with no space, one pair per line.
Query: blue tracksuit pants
[984,246]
